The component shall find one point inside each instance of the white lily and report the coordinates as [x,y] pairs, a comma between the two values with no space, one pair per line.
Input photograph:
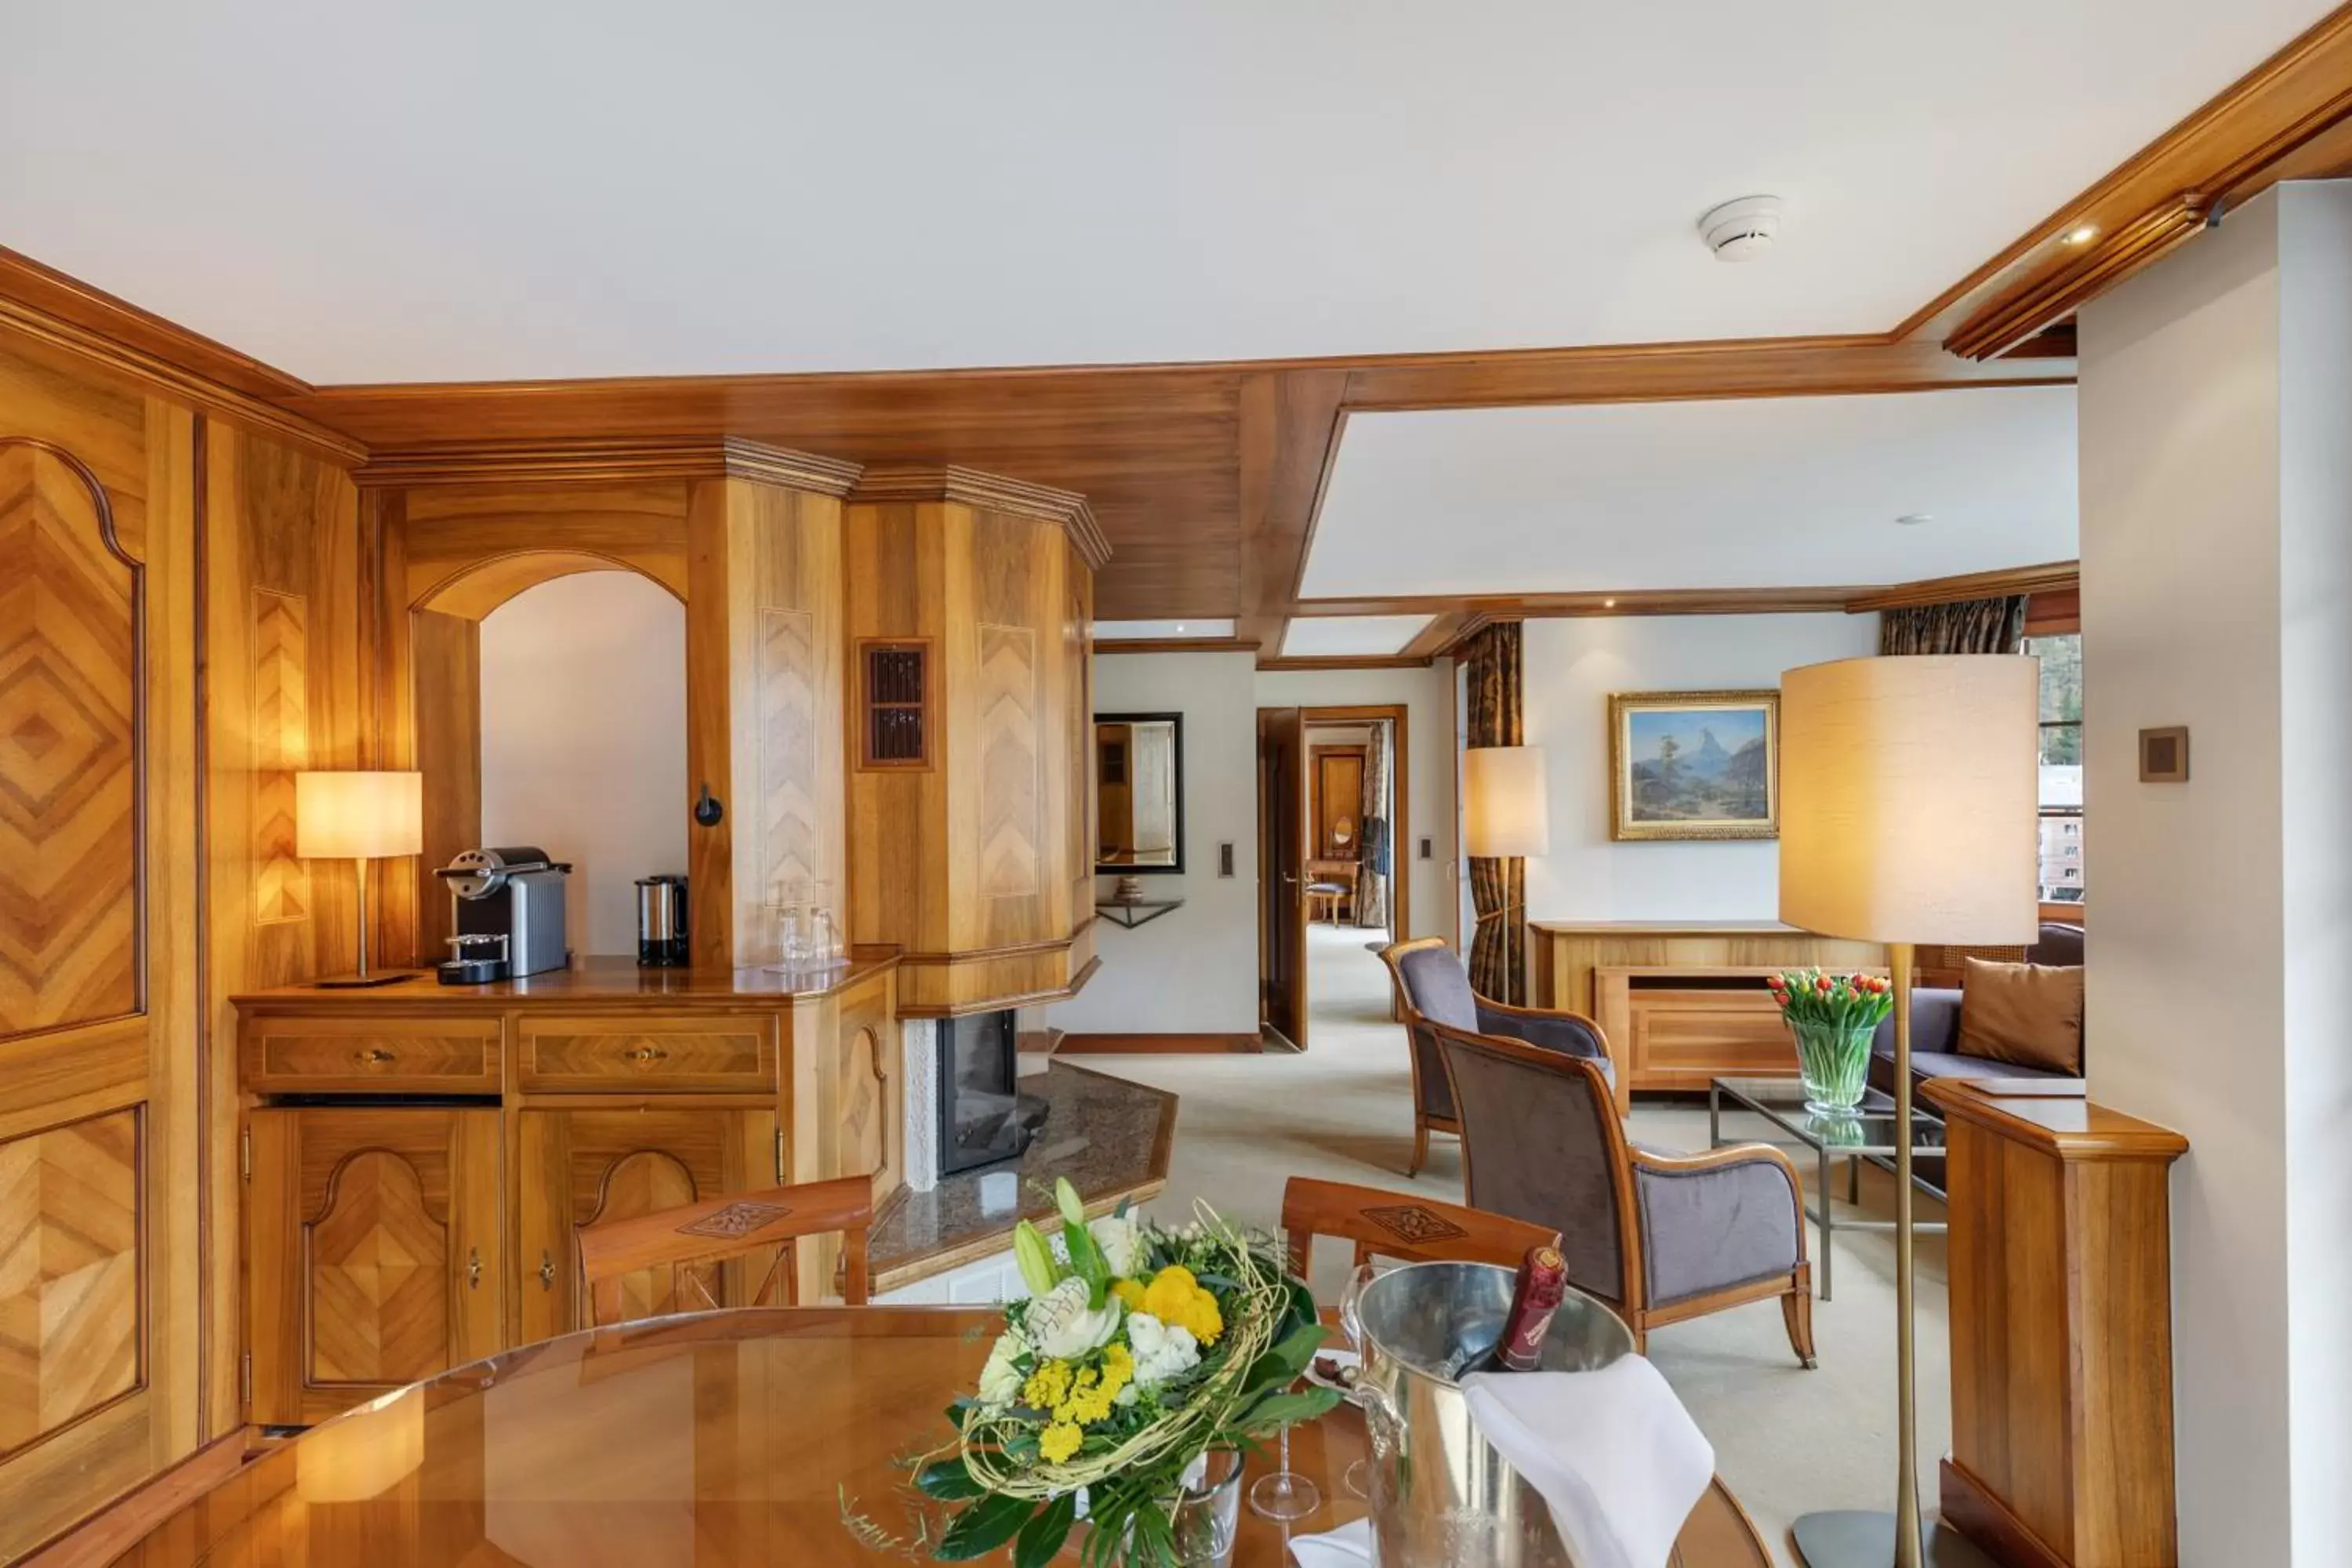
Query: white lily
[1122,1247]
[1000,1380]
[1060,1324]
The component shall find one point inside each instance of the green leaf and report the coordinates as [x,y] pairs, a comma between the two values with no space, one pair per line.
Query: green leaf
[983,1528]
[1278,1410]
[1038,1270]
[1285,1360]
[948,1480]
[1042,1536]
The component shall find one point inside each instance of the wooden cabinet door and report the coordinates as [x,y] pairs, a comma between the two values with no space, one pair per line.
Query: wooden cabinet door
[869,1093]
[373,1252]
[577,1167]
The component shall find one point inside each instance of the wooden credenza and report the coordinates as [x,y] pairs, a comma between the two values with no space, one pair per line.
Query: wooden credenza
[2062,1331]
[418,1160]
[1681,1003]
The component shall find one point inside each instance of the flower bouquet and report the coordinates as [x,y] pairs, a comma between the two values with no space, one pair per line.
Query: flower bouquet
[1141,1351]
[1833,1017]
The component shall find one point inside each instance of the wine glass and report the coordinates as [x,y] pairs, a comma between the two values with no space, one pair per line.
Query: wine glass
[1286,1494]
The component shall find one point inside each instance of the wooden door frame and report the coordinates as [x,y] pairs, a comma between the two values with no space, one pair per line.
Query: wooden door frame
[1400,769]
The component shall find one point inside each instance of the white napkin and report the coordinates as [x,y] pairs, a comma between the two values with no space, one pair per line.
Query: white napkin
[1613,1452]
[1349,1546]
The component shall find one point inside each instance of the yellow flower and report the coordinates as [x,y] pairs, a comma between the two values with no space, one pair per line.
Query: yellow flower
[1130,1291]
[1202,1317]
[1047,1387]
[1175,1296]
[1118,1367]
[1059,1441]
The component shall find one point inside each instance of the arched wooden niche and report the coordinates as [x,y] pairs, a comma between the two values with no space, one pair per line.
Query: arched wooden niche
[723,525]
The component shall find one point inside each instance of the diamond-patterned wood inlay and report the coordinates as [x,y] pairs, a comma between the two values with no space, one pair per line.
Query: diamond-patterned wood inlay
[647,1182]
[69,752]
[70,1314]
[1410,1222]
[738,1219]
[281,748]
[379,1277]
[789,831]
[1011,831]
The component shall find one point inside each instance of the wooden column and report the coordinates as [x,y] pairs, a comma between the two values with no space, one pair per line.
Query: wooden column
[2062,1331]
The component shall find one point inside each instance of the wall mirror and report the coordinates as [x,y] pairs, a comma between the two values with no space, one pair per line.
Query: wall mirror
[1140,792]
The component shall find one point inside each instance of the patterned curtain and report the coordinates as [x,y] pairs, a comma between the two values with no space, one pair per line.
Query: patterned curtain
[1971,625]
[1497,888]
[1379,857]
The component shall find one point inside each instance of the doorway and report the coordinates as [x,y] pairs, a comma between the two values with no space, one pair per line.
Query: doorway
[1334,807]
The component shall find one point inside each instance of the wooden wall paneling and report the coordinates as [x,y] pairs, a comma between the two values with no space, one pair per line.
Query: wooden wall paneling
[785,685]
[101,1251]
[459,532]
[444,702]
[894,573]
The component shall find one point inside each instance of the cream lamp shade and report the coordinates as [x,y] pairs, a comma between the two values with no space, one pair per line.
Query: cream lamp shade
[1909,799]
[1507,810]
[358,815]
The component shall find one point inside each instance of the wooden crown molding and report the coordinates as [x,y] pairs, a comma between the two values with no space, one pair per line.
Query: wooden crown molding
[2057,577]
[158,374]
[591,461]
[1484,609]
[988,493]
[1346,661]
[2252,134]
[1174,644]
[70,300]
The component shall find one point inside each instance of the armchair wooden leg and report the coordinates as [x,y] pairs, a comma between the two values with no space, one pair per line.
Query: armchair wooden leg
[1797,1310]
[1420,1148]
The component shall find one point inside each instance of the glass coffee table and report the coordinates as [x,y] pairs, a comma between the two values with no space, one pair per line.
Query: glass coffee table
[1869,1134]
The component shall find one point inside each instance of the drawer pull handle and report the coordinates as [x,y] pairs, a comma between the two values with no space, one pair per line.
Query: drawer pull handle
[473,1269]
[373,1056]
[648,1055]
[546,1272]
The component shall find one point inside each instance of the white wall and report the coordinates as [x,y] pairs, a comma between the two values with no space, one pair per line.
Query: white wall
[1428,698]
[1192,971]
[1568,669]
[583,740]
[2216,428]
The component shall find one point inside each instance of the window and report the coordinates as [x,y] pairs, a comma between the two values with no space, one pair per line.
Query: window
[2062,766]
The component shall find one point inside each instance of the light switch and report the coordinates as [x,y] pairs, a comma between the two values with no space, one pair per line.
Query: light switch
[1225,860]
[1424,849]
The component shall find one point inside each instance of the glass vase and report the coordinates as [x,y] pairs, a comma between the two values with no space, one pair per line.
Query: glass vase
[1833,1063]
[1207,1514]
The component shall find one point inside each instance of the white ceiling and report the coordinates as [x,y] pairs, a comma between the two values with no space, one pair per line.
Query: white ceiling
[1347,636]
[453,189]
[1128,631]
[1742,493]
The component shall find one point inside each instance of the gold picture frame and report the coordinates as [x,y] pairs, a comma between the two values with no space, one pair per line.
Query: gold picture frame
[1716,801]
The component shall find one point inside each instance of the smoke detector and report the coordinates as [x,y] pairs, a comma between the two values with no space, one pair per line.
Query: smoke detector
[1741,230]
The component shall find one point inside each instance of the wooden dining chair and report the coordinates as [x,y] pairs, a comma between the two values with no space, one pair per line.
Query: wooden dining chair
[718,1229]
[1400,1225]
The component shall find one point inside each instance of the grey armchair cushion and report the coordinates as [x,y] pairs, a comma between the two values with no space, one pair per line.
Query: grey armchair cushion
[1709,1230]
[1560,1032]
[2058,945]
[1934,1044]
[1538,1150]
[1439,988]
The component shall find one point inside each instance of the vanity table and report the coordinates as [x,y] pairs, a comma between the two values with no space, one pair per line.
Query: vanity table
[417,1159]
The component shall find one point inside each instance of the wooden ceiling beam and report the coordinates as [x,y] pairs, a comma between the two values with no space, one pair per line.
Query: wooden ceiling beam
[1618,601]
[2054,577]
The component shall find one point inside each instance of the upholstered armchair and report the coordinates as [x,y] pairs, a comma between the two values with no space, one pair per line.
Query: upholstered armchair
[1432,988]
[1660,1238]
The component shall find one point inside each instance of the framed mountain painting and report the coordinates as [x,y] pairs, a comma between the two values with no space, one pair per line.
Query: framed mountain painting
[1695,764]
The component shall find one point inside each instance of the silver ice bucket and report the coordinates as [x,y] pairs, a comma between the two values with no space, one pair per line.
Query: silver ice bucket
[1441,1494]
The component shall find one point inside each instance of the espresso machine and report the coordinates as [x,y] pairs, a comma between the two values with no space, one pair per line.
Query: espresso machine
[507,911]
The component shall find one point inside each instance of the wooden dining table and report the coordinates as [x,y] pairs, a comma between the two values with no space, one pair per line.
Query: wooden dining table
[761,1437]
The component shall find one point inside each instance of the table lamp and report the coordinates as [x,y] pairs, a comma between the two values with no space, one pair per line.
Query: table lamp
[1505,816]
[358,816]
[1908,814]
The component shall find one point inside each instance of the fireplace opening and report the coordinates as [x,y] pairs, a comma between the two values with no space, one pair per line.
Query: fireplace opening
[984,1118]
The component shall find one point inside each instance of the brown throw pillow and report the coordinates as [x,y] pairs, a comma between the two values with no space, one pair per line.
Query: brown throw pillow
[2028,1014]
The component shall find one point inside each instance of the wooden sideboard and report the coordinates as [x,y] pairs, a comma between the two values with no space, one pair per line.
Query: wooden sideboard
[2062,1331]
[1682,1002]
[417,1159]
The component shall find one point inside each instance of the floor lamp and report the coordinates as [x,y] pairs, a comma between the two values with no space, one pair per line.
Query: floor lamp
[1505,816]
[1908,792]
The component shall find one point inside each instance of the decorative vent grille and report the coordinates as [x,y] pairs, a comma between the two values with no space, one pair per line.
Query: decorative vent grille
[897,718]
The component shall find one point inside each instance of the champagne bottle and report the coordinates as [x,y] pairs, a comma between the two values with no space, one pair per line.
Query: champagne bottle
[1534,1296]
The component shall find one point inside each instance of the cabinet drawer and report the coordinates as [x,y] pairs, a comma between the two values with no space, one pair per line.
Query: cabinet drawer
[428,1056]
[1680,1039]
[726,1052]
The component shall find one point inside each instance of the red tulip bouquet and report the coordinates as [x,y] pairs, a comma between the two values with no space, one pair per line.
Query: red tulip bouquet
[1834,1018]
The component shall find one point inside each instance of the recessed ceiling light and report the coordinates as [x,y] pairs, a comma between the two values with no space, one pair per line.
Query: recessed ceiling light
[1179,628]
[1608,604]
[2083,234]
[1914,519]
